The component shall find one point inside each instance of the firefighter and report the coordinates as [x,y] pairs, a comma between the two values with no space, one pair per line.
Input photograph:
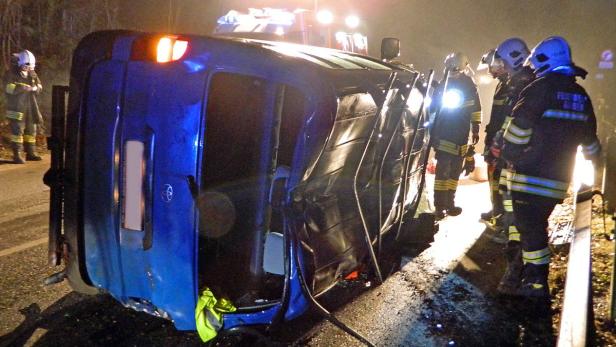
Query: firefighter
[552,117]
[22,86]
[513,52]
[497,70]
[459,109]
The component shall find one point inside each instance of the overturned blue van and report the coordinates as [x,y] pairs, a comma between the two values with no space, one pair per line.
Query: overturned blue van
[265,172]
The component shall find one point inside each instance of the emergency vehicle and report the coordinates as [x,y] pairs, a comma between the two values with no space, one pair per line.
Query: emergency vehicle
[299,26]
[263,171]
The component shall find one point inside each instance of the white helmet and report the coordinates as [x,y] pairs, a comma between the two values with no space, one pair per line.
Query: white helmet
[456,61]
[550,54]
[514,52]
[494,65]
[26,59]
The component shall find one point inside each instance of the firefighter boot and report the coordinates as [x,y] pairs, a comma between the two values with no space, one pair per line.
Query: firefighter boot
[486,216]
[452,209]
[511,280]
[30,154]
[17,158]
[535,282]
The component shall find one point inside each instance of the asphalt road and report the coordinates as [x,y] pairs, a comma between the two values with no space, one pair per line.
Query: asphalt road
[441,296]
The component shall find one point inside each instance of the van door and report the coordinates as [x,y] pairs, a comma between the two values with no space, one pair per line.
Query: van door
[140,147]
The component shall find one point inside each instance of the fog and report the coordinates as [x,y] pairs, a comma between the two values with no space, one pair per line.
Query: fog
[428,29]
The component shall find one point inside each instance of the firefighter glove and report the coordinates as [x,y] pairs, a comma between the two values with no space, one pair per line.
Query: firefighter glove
[475,138]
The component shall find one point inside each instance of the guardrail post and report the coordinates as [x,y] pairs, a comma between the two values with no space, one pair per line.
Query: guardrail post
[577,303]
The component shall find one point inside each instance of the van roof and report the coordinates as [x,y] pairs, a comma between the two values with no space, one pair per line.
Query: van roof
[323,57]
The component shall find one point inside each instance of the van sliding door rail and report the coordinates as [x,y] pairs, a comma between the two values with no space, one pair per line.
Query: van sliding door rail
[420,118]
[368,239]
[402,99]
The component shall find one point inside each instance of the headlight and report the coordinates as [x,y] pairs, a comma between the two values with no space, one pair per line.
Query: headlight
[452,99]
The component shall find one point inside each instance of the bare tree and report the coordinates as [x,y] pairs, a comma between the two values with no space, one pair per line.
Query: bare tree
[10,30]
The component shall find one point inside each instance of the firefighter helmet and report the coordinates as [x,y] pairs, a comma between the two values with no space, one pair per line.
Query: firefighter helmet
[495,66]
[456,62]
[513,52]
[26,59]
[550,54]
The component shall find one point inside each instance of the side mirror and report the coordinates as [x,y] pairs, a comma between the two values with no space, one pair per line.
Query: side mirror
[390,48]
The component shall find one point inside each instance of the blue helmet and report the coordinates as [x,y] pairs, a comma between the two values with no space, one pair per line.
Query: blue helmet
[513,52]
[550,54]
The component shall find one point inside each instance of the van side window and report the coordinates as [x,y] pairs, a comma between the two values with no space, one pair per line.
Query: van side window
[293,116]
[235,118]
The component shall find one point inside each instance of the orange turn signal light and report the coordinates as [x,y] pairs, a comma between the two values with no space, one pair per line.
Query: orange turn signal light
[170,49]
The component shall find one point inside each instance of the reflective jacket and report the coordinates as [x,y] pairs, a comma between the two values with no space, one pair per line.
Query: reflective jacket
[553,116]
[513,87]
[453,124]
[21,103]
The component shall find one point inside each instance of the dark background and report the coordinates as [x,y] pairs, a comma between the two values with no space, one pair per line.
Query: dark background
[428,29]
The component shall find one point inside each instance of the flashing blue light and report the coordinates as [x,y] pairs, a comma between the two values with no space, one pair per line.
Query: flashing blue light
[193,66]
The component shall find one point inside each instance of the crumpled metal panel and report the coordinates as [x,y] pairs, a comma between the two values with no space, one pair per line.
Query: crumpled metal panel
[334,234]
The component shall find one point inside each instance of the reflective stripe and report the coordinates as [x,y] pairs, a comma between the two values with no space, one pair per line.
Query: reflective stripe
[538,181]
[17,138]
[503,177]
[29,139]
[516,140]
[506,122]
[440,185]
[447,144]
[539,186]
[10,88]
[591,149]
[540,257]
[468,103]
[514,234]
[449,147]
[534,190]
[508,205]
[517,135]
[476,117]
[463,150]
[499,102]
[14,115]
[563,114]
[452,184]
[519,132]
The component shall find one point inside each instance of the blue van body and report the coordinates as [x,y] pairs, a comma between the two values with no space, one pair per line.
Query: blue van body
[328,126]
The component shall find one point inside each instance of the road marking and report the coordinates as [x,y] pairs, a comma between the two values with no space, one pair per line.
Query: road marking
[22,247]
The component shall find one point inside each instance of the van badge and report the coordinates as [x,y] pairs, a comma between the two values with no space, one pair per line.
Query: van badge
[167,193]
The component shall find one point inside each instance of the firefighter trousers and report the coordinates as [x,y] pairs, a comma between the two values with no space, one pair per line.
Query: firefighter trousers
[23,131]
[531,218]
[494,173]
[448,170]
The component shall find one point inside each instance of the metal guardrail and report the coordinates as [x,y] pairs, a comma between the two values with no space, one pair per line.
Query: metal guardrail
[576,315]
